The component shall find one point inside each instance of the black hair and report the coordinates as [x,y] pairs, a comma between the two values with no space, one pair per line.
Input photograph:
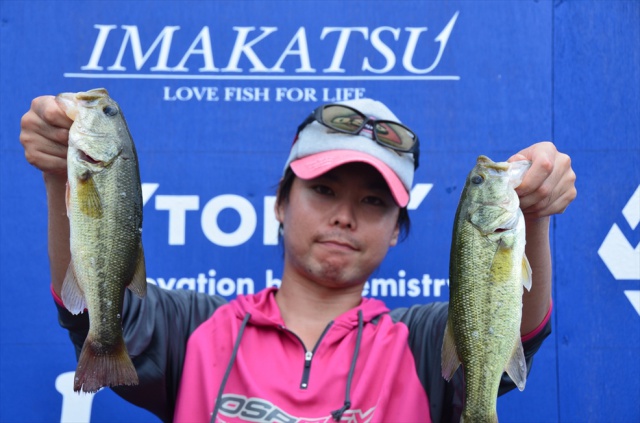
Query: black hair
[284,189]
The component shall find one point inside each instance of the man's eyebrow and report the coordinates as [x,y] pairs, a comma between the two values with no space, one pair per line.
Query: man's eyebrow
[378,184]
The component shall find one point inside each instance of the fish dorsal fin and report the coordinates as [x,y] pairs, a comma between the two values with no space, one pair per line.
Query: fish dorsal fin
[89,198]
[450,360]
[72,294]
[517,366]
[138,284]
[527,273]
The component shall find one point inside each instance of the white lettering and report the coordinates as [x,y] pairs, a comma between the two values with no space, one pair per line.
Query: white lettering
[187,93]
[442,38]
[177,205]
[248,220]
[439,283]
[241,47]
[341,94]
[148,189]
[75,408]
[186,283]
[296,94]
[383,49]
[139,59]
[207,53]
[98,47]
[246,94]
[207,284]
[402,287]
[245,48]
[299,38]
[341,46]
[271,226]
[426,285]
[418,194]
[414,287]
[271,281]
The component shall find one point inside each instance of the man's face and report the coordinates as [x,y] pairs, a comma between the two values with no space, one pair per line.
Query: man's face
[339,226]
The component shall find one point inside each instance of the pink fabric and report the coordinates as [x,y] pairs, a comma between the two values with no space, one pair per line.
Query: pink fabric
[56,298]
[264,383]
[310,167]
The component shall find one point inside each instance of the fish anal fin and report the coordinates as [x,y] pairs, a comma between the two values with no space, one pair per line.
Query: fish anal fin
[527,273]
[517,366]
[450,360]
[99,366]
[138,284]
[89,197]
[72,294]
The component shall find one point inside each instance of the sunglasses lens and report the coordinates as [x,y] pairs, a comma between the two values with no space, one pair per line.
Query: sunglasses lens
[347,120]
[395,136]
[343,119]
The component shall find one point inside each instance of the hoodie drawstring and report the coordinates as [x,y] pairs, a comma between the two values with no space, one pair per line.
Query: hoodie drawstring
[232,360]
[337,414]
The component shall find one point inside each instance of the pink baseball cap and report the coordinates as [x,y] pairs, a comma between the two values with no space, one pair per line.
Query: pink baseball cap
[318,149]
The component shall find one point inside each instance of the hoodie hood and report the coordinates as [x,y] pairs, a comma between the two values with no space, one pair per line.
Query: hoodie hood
[264,311]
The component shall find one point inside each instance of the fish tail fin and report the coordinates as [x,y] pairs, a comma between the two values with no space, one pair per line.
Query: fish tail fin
[98,367]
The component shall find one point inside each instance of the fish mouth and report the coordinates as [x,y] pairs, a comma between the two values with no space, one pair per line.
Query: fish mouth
[87,158]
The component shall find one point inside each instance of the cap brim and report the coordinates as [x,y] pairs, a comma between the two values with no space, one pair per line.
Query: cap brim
[312,166]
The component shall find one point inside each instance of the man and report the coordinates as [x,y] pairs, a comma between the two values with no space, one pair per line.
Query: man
[313,349]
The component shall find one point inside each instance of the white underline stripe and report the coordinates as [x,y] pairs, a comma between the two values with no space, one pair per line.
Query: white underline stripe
[267,77]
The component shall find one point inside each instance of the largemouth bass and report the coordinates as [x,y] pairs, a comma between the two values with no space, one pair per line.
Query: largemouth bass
[488,269]
[104,206]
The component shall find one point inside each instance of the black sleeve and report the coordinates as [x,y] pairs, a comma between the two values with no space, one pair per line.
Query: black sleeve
[426,325]
[156,329]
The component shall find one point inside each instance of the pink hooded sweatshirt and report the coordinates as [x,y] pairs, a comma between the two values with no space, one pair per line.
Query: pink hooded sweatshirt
[242,364]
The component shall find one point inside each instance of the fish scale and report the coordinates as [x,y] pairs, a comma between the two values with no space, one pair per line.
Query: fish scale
[488,270]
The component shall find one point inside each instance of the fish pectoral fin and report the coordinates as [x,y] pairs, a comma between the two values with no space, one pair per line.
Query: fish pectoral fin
[67,198]
[138,284]
[72,294]
[517,366]
[450,360]
[89,198]
[527,273]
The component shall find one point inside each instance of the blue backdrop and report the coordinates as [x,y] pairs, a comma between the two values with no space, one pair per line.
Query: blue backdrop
[213,92]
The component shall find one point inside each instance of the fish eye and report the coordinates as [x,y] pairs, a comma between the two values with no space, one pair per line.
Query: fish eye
[110,110]
[477,179]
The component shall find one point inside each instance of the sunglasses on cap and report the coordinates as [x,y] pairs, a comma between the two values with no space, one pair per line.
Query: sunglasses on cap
[348,120]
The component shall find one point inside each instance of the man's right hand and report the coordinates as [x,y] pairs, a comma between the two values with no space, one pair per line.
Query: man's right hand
[44,135]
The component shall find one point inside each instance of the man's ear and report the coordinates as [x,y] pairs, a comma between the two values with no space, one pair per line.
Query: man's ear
[278,209]
[395,235]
